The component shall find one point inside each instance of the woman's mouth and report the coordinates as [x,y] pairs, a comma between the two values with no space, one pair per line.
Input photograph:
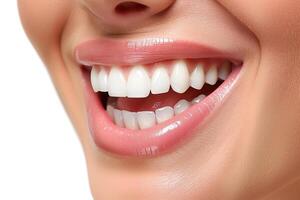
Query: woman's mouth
[151,98]
[139,97]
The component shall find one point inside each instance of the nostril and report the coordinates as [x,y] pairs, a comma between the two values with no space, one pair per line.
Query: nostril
[130,7]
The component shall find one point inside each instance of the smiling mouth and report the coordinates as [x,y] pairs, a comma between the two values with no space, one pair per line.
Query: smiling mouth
[139,97]
[137,107]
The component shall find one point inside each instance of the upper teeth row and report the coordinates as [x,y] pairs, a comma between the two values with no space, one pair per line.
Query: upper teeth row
[139,83]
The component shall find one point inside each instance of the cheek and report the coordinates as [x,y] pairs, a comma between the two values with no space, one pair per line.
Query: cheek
[270,20]
[276,24]
[43,22]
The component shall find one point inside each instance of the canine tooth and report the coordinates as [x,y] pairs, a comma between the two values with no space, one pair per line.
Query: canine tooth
[94,79]
[212,75]
[110,111]
[160,82]
[224,70]
[198,77]
[180,78]
[138,83]
[181,106]
[164,114]
[146,119]
[116,83]
[118,117]
[130,120]
[198,99]
[102,80]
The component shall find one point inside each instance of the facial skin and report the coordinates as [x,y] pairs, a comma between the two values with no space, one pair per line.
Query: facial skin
[257,154]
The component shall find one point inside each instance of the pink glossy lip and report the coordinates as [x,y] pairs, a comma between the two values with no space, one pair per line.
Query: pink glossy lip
[160,138]
[120,52]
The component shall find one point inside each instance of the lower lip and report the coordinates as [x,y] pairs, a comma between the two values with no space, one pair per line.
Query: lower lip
[159,139]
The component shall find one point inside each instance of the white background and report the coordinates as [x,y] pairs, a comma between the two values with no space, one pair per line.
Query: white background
[40,155]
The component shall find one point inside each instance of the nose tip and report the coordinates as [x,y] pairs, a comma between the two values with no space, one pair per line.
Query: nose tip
[126,12]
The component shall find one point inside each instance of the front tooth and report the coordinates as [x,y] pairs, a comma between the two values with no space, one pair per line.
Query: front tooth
[102,80]
[116,83]
[94,79]
[138,84]
[118,117]
[160,81]
[146,119]
[181,106]
[164,114]
[130,120]
[180,78]
[198,99]
[224,70]
[212,75]
[198,77]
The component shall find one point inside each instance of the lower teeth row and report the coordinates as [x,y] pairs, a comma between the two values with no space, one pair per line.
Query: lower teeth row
[147,119]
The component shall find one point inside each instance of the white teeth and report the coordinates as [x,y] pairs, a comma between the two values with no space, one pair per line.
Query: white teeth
[130,120]
[116,83]
[102,80]
[138,85]
[198,77]
[224,70]
[180,77]
[99,79]
[118,117]
[94,79]
[146,119]
[198,99]
[212,75]
[164,114]
[181,106]
[160,81]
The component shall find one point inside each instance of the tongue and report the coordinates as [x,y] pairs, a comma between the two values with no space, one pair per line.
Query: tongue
[153,102]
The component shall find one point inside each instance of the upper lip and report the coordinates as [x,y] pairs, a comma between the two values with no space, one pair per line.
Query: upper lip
[144,51]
